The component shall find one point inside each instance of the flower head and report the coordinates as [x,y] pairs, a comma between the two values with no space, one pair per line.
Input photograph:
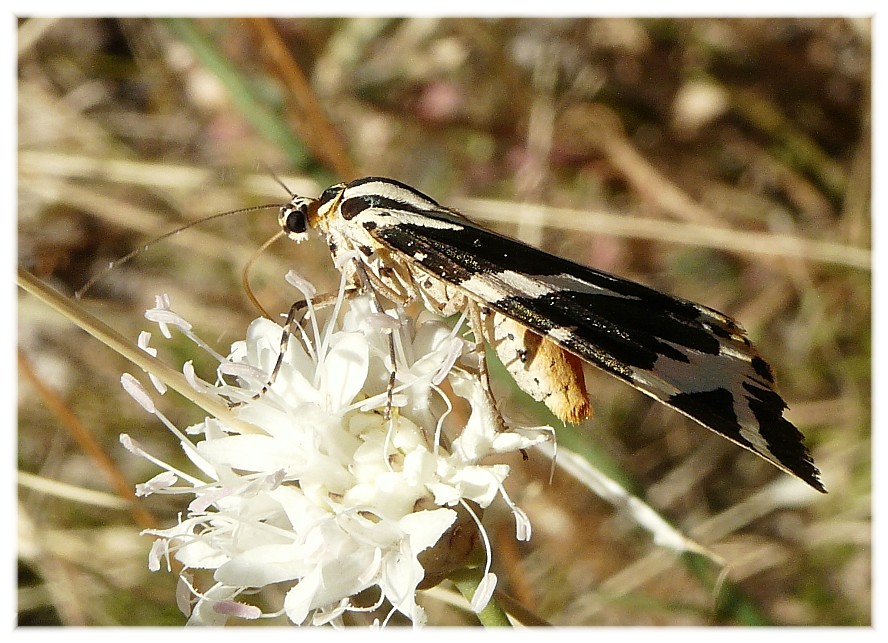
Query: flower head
[353,479]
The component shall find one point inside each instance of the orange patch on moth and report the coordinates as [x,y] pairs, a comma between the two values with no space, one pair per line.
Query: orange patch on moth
[541,368]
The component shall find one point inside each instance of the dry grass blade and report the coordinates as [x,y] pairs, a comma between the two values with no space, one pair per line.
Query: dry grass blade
[113,340]
[316,128]
[738,241]
[87,442]
[80,495]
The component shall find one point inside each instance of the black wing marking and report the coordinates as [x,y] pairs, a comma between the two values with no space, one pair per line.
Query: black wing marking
[689,357]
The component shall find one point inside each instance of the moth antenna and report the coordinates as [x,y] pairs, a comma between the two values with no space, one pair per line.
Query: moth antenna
[78,294]
[277,179]
[245,274]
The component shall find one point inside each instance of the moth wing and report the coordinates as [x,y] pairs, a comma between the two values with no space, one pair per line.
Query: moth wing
[687,356]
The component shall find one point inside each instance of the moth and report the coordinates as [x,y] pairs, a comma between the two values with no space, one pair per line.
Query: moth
[544,315]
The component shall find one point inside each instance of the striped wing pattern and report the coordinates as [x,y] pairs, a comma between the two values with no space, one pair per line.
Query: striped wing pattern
[687,356]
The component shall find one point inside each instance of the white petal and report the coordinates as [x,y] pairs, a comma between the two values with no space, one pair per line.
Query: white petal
[158,550]
[425,528]
[306,595]
[300,511]
[183,593]
[480,484]
[199,554]
[247,452]
[345,369]
[445,494]
[207,499]
[419,466]
[383,322]
[263,345]
[263,565]
[401,573]
[511,441]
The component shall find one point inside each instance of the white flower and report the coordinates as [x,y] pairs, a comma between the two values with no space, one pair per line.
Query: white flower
[345,485]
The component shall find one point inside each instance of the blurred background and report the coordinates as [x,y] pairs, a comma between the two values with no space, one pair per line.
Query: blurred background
[726,161]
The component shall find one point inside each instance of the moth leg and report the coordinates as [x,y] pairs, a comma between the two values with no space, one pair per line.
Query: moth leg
[378,287]
[321,301]
[477,326]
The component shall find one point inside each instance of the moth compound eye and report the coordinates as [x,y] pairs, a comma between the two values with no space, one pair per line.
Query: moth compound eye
[296,221]
[293,218]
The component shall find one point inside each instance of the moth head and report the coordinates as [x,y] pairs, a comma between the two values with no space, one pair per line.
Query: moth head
[297,216]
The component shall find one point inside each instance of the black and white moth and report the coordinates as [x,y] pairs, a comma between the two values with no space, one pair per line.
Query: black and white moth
[544,314]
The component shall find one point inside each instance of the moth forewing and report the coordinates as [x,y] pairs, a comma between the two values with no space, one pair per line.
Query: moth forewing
[544,312]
